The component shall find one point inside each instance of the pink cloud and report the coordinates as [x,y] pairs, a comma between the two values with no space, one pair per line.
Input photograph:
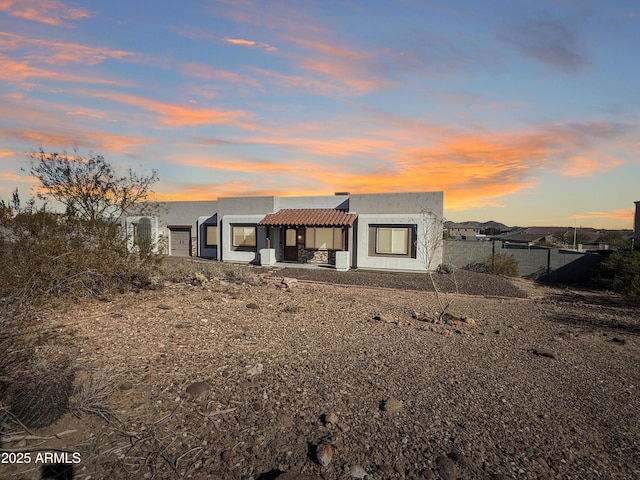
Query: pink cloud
[585,166]
[50,12]
[250,43]
[618,214]
[179,115]
[59,53]
[24,73]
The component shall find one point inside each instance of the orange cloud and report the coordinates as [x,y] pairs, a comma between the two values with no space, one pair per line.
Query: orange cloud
[583,166]
[52,136]
[50,12]
[250,43]
[213,191]
[24,73]
[618,214]
[59,53]
[473,169]
[179,115]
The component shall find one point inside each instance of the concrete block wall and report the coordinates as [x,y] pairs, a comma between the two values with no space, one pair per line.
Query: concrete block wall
[549,265]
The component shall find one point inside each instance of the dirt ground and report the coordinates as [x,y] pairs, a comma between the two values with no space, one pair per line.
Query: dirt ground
[233,374]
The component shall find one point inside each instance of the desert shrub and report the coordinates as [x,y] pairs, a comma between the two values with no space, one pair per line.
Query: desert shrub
[501,264]
[620,272]
[40,392]
[48,259]
[446,268]
[44,254]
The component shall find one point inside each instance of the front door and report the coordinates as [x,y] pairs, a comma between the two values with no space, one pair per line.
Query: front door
[290,245]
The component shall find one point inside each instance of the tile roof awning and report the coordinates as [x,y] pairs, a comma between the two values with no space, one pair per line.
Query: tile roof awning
[312,217]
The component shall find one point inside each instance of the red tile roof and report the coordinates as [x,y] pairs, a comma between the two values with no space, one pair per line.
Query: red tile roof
[313,217]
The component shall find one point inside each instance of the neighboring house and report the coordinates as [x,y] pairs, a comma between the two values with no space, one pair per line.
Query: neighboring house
[551,236]
[460,231]
[394,231]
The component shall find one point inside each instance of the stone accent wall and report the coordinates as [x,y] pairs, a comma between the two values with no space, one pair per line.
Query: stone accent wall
[324,257]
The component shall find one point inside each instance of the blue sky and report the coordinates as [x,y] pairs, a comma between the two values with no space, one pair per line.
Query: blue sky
[521,112]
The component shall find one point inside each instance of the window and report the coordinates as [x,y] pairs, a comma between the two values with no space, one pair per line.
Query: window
[392,240]
[324,238]
[211,236]
[243,236]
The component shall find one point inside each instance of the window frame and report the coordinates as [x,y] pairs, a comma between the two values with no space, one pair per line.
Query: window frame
[410,246]
[311,238]
[207,236]
[244,245]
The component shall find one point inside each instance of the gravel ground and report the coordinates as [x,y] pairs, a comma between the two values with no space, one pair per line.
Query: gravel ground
[468,282]
[251,379]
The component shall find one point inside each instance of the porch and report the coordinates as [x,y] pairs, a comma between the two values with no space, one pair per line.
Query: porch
[321,237]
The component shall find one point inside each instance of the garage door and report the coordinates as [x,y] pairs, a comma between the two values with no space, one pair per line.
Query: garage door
[180,240]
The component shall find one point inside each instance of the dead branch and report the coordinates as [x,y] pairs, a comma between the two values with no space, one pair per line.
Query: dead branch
[17,438]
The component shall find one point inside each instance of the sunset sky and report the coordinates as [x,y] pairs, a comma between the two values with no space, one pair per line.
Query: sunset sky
[524,112]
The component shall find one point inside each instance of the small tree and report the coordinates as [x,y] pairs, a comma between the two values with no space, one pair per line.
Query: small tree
[431,244]
[88,187]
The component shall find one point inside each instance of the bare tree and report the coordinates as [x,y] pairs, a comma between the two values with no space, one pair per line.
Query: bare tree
[431,243]
[89,187]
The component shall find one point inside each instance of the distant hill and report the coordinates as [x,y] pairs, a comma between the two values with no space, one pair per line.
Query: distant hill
[481,225]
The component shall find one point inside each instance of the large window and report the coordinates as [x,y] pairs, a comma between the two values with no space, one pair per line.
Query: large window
[243,236]
[324,238]
[392,240]
[211,233]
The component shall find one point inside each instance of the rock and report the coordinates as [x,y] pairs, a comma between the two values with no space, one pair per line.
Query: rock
[330,418]
[164,307]
[391,405]
[424,316]
[384,318]
[447,468]
[427,474]
[543,463]
[126,386]
[543,352]
[285,422]
[197,389]
[256,369]
[253,306]
[469,321]
[324,454]
[289,282]
[356,471]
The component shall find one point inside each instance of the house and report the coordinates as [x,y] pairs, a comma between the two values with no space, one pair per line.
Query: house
[386,231]
[462,231]
[551,236]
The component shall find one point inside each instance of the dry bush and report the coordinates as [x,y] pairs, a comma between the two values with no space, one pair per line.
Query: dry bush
[90,394]
[39,393]
[47,260]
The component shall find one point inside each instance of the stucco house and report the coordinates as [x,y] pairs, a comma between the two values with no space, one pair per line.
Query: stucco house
[386,231]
